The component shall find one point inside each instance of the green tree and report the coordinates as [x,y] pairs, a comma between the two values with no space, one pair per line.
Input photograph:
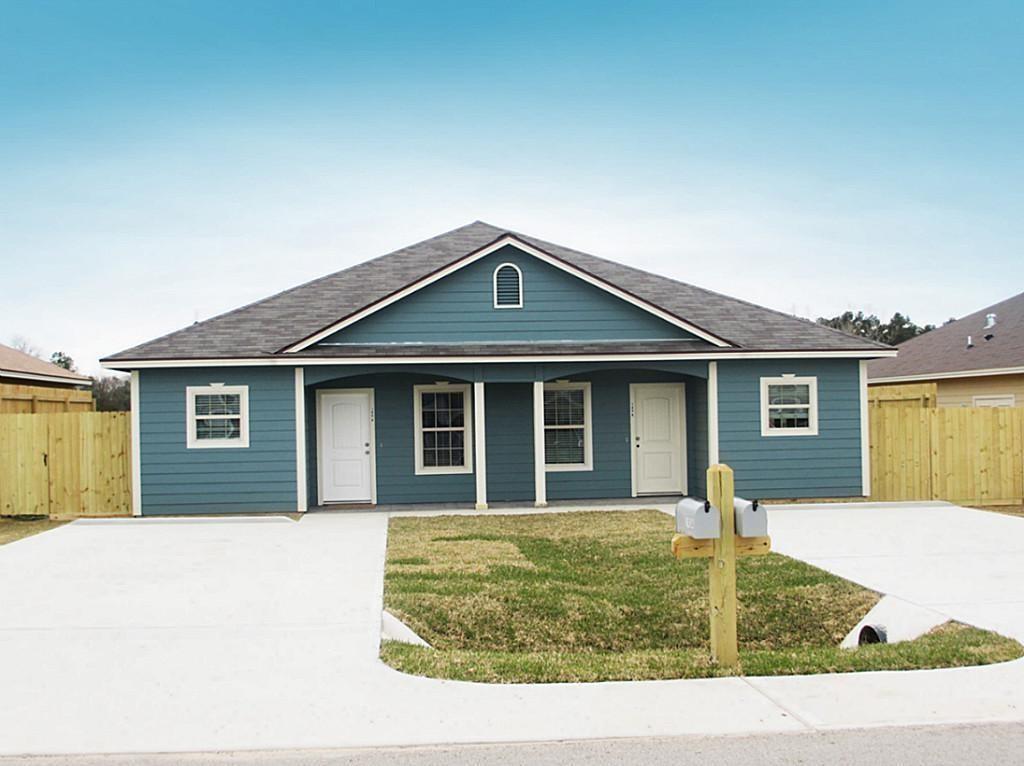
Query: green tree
[898,329]
[61,359]
[112,393]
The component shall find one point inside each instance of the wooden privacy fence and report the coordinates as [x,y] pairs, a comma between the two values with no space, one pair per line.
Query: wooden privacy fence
[65,464]
[15,398]
[972,455]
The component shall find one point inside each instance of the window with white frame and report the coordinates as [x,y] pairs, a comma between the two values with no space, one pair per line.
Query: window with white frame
[567,427]
[444,429]
[789,406]
[995,400]
[217,416]
[508,287]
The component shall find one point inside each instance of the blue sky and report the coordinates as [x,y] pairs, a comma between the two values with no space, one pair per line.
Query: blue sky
[164,162]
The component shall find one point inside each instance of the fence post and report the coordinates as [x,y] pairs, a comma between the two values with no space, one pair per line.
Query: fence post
[722,572]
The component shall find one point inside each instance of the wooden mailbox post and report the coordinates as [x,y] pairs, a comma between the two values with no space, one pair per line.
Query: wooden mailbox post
[722,553]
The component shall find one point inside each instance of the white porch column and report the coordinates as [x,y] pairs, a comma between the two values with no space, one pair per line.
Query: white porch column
[712,413]
[300,440]
[480,445]
[540,493]
[136,446]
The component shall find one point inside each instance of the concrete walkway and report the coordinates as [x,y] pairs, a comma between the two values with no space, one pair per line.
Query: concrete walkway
[261,633]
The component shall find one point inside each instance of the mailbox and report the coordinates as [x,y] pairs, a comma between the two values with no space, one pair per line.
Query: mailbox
[698,519]
[751,518]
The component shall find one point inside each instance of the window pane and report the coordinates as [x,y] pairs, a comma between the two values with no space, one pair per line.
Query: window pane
[563,407]
[218,404]
[563,446]
[219,428]
[443,413]
[798,393]
[782,417]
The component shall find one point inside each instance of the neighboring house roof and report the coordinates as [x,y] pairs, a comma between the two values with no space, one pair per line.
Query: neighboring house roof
[17,364]
[268,327]
[944,351]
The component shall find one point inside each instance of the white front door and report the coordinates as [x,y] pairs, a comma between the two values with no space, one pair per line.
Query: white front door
[659,438]
[345,446]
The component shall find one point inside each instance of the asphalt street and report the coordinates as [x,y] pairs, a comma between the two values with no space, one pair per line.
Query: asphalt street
[920,746]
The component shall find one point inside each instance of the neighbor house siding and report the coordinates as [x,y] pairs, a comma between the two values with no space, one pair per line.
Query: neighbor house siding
[960,392]
[826,465]
[177,480]
[460,308]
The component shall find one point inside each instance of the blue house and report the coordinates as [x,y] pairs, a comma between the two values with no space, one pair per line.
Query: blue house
[486,366]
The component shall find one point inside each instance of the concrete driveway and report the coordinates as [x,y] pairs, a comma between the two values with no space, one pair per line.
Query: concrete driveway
[261,633]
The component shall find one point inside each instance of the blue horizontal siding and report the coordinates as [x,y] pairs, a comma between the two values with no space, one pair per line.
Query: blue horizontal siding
[460,308]
[826,465]
[178,480]
[509,424]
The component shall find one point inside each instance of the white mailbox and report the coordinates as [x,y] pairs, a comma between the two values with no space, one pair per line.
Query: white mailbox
[751,518]
[698,519]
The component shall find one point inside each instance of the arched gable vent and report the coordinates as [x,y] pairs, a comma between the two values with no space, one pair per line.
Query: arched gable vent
[508,287]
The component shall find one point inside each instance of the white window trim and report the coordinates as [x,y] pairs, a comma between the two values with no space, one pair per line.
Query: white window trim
[812,408]
[588,429]
[494,288]
[994,400]
[467,442]
[192,442]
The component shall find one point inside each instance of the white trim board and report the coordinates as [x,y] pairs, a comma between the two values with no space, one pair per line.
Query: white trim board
[865,433]
[301,501]
[136,446]
[290,361]
[712,414]
[925,377]
[483,252]
[480,444]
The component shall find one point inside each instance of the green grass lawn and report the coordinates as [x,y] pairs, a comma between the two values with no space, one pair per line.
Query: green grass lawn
[598,596]
[14,528]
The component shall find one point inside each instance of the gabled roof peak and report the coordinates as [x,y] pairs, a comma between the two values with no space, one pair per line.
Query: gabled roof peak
[267,326]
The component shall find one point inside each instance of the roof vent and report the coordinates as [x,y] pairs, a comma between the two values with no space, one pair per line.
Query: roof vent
[990,321]
[988,336]
[970,343]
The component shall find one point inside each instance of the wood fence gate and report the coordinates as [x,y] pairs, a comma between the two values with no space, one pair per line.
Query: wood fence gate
[65,464]
[969,455]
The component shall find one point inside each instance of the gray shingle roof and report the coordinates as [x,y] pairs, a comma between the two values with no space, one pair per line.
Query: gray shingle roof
[945,350]
[266,327]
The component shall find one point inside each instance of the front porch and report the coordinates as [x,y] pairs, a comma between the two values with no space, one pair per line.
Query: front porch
[486,435]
